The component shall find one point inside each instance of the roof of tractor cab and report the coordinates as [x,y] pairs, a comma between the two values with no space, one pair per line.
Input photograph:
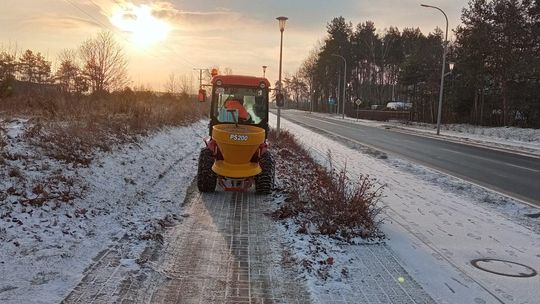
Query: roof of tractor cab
[240,80]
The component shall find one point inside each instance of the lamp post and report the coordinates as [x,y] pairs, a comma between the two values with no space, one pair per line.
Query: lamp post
[264,70]
[282,20]
[312,93]
[344,82]
[445,47]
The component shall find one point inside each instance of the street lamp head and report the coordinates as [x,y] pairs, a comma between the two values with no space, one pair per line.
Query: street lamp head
[451,65]
[282,20]
[425,5]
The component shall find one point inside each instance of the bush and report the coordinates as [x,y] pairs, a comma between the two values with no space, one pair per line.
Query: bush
[324,199]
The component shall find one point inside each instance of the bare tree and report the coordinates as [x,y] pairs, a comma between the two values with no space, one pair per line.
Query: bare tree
[69,55]
[296,88]
[105,64]
[185,84]
[69,74]
[171,86]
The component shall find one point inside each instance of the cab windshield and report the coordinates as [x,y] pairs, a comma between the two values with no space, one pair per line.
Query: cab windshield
[242,105]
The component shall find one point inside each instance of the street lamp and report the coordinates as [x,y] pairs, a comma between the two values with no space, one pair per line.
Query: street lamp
[282,20]
[344,81]
[264,70]
[445,47]
[451,65]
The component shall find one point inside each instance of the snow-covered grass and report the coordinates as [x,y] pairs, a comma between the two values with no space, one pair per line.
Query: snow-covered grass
[122,197]
[518,139]
[437,224]
[512,138]
[505,133]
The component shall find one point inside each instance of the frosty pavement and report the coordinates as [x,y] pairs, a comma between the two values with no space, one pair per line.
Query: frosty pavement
[219,253]
[227,250]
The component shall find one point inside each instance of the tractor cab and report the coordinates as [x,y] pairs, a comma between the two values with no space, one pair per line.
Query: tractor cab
[236,155]
[239,100]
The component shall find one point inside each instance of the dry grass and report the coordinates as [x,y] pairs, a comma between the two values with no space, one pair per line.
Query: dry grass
[72,128]
[326,200]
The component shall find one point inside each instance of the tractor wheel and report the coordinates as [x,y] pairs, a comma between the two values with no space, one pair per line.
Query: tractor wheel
[206,178]
[265,180]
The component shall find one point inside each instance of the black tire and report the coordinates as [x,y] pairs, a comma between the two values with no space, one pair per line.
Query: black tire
[264,182]
[206,178]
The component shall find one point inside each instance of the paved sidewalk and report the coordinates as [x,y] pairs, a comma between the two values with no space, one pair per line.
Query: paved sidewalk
[227,250]
[374,274]
[223,251]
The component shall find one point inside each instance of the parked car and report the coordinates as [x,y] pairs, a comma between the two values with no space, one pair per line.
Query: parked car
[399,105]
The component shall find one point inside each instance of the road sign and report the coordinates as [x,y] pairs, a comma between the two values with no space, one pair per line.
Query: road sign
[358,102]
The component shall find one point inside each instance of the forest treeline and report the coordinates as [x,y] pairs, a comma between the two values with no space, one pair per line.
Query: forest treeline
[98,65]
[495,80]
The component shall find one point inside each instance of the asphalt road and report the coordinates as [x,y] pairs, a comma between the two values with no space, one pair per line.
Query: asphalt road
[512,174]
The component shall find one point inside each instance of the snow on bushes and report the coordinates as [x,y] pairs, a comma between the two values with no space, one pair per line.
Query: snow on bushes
[323,200]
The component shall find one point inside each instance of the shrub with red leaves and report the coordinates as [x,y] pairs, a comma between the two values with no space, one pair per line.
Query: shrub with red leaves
[324,199]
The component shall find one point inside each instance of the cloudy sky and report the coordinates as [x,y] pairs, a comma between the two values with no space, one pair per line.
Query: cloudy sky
[175,36]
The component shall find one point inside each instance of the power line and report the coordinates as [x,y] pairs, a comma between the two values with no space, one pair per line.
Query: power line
[87,14]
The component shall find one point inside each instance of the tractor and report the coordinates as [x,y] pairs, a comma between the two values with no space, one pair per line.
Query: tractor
[236,155]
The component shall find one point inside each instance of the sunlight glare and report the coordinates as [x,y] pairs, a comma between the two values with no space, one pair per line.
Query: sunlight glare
[145,30]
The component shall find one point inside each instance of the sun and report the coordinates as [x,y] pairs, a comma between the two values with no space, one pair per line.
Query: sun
[145,30]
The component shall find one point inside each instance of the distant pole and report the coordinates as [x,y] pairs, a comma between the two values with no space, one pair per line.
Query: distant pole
[282,20]
[200,75]
[344,82]
[445,48]
[338,94]
[312,91]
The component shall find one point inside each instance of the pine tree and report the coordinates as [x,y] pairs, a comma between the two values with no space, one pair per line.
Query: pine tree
[27,66]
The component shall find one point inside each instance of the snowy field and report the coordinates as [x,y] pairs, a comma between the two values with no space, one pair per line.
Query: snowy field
[512,138]
[436,225]
[126,197]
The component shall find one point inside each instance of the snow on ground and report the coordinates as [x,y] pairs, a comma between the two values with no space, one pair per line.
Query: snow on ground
[518,139]
[126,198]
[437,224]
